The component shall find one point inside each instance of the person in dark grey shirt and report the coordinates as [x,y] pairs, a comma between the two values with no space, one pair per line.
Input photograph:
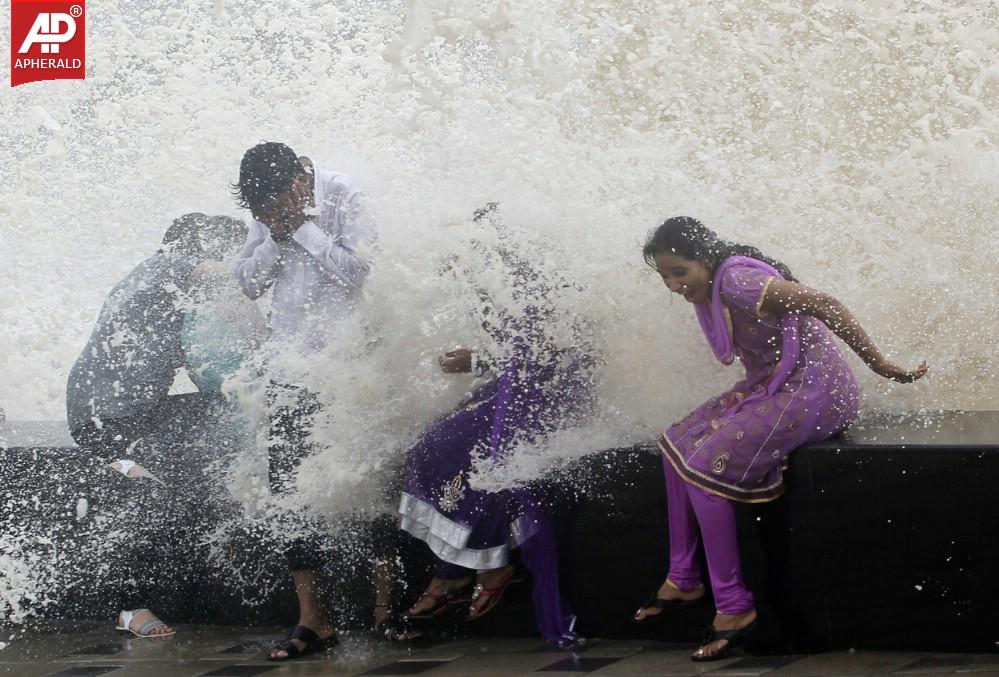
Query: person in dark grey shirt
[124,374]
[134,352]
[118,405]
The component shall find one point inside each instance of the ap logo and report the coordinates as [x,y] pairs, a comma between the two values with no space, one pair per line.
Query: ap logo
[48,41]
[49,30]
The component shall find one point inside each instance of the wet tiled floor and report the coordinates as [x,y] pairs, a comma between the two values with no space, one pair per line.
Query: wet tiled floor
[233,652]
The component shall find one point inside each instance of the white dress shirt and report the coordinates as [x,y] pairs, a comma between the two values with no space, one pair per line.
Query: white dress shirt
[318,273]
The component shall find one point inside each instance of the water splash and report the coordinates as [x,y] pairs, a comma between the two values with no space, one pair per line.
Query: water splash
[857,141]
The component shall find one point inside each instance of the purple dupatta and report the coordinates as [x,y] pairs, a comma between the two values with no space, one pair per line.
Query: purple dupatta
[716,323]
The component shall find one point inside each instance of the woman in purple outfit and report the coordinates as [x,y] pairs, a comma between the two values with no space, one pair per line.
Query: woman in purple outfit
[798,389]
[536,387]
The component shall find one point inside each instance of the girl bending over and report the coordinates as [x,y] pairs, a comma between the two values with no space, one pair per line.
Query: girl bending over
[798,389]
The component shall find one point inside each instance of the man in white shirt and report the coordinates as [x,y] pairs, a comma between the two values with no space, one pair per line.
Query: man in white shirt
[308,241]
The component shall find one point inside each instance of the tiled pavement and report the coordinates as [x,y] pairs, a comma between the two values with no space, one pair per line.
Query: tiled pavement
[222,652]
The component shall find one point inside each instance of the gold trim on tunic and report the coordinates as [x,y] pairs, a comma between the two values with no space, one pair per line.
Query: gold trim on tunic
[711,490]
[763,295]
[731,332]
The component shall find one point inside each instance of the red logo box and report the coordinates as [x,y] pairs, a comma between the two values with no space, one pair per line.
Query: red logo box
[48,40]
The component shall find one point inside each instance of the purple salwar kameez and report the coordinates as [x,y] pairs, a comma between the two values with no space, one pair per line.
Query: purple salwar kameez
[538,389]
[798,389]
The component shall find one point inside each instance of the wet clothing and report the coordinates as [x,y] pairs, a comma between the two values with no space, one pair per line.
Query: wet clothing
[119,407]
[798,389]
[222,331]
[695,514]
[316,278]
[472,529]
[538,389]
[317,275]
[134,351]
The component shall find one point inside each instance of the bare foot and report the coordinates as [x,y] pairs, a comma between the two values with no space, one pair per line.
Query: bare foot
[321,628]
[437,588]
[725,622]
[493,578]
[670,592]
[142,616]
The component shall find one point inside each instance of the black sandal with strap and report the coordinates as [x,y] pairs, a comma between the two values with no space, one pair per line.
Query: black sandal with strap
[313,644]
[657,602]
[735,638]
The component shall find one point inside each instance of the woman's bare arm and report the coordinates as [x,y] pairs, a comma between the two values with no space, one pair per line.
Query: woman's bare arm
[782,296]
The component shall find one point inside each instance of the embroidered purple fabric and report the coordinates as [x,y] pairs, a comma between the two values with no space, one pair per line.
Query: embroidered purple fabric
[539,388]
[798,389]
[478,529]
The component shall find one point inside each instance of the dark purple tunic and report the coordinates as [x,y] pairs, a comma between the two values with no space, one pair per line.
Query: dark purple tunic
[538,389]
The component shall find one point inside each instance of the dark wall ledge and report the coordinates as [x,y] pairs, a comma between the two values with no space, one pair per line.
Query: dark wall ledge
[887,538]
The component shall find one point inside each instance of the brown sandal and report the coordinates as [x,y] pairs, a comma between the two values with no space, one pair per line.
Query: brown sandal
[492,595]
[448,598]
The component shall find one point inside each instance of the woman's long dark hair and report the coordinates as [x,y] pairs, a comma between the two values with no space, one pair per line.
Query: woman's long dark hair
[690,239]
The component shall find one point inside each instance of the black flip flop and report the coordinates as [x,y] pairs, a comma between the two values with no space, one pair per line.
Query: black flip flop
[313,644]
[657,602]
[734,638]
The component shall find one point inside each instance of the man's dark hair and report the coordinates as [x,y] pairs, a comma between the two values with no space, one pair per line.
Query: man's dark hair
[266,171]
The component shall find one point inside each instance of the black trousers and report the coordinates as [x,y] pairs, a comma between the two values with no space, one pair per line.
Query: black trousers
[293,411]
[152,527]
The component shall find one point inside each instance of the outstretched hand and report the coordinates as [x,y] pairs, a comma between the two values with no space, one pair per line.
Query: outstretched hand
[897,373]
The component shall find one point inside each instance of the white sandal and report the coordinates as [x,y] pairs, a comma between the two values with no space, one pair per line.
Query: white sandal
[145,630]
[131,470]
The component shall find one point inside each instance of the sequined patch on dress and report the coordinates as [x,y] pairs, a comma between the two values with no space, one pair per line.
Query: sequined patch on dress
[453,493]
[719,464]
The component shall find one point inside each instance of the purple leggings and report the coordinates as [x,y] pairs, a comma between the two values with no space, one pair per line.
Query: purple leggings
[694,514]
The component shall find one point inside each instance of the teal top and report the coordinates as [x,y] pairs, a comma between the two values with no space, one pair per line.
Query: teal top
[220,332]
[213,350]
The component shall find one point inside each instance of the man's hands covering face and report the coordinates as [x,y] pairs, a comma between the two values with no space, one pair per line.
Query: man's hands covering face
[287,213]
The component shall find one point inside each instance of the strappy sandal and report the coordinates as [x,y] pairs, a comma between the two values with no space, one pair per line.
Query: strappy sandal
[145,630]
[657,602]
[443,601]
[735,638]
[313,644]
[492,595]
